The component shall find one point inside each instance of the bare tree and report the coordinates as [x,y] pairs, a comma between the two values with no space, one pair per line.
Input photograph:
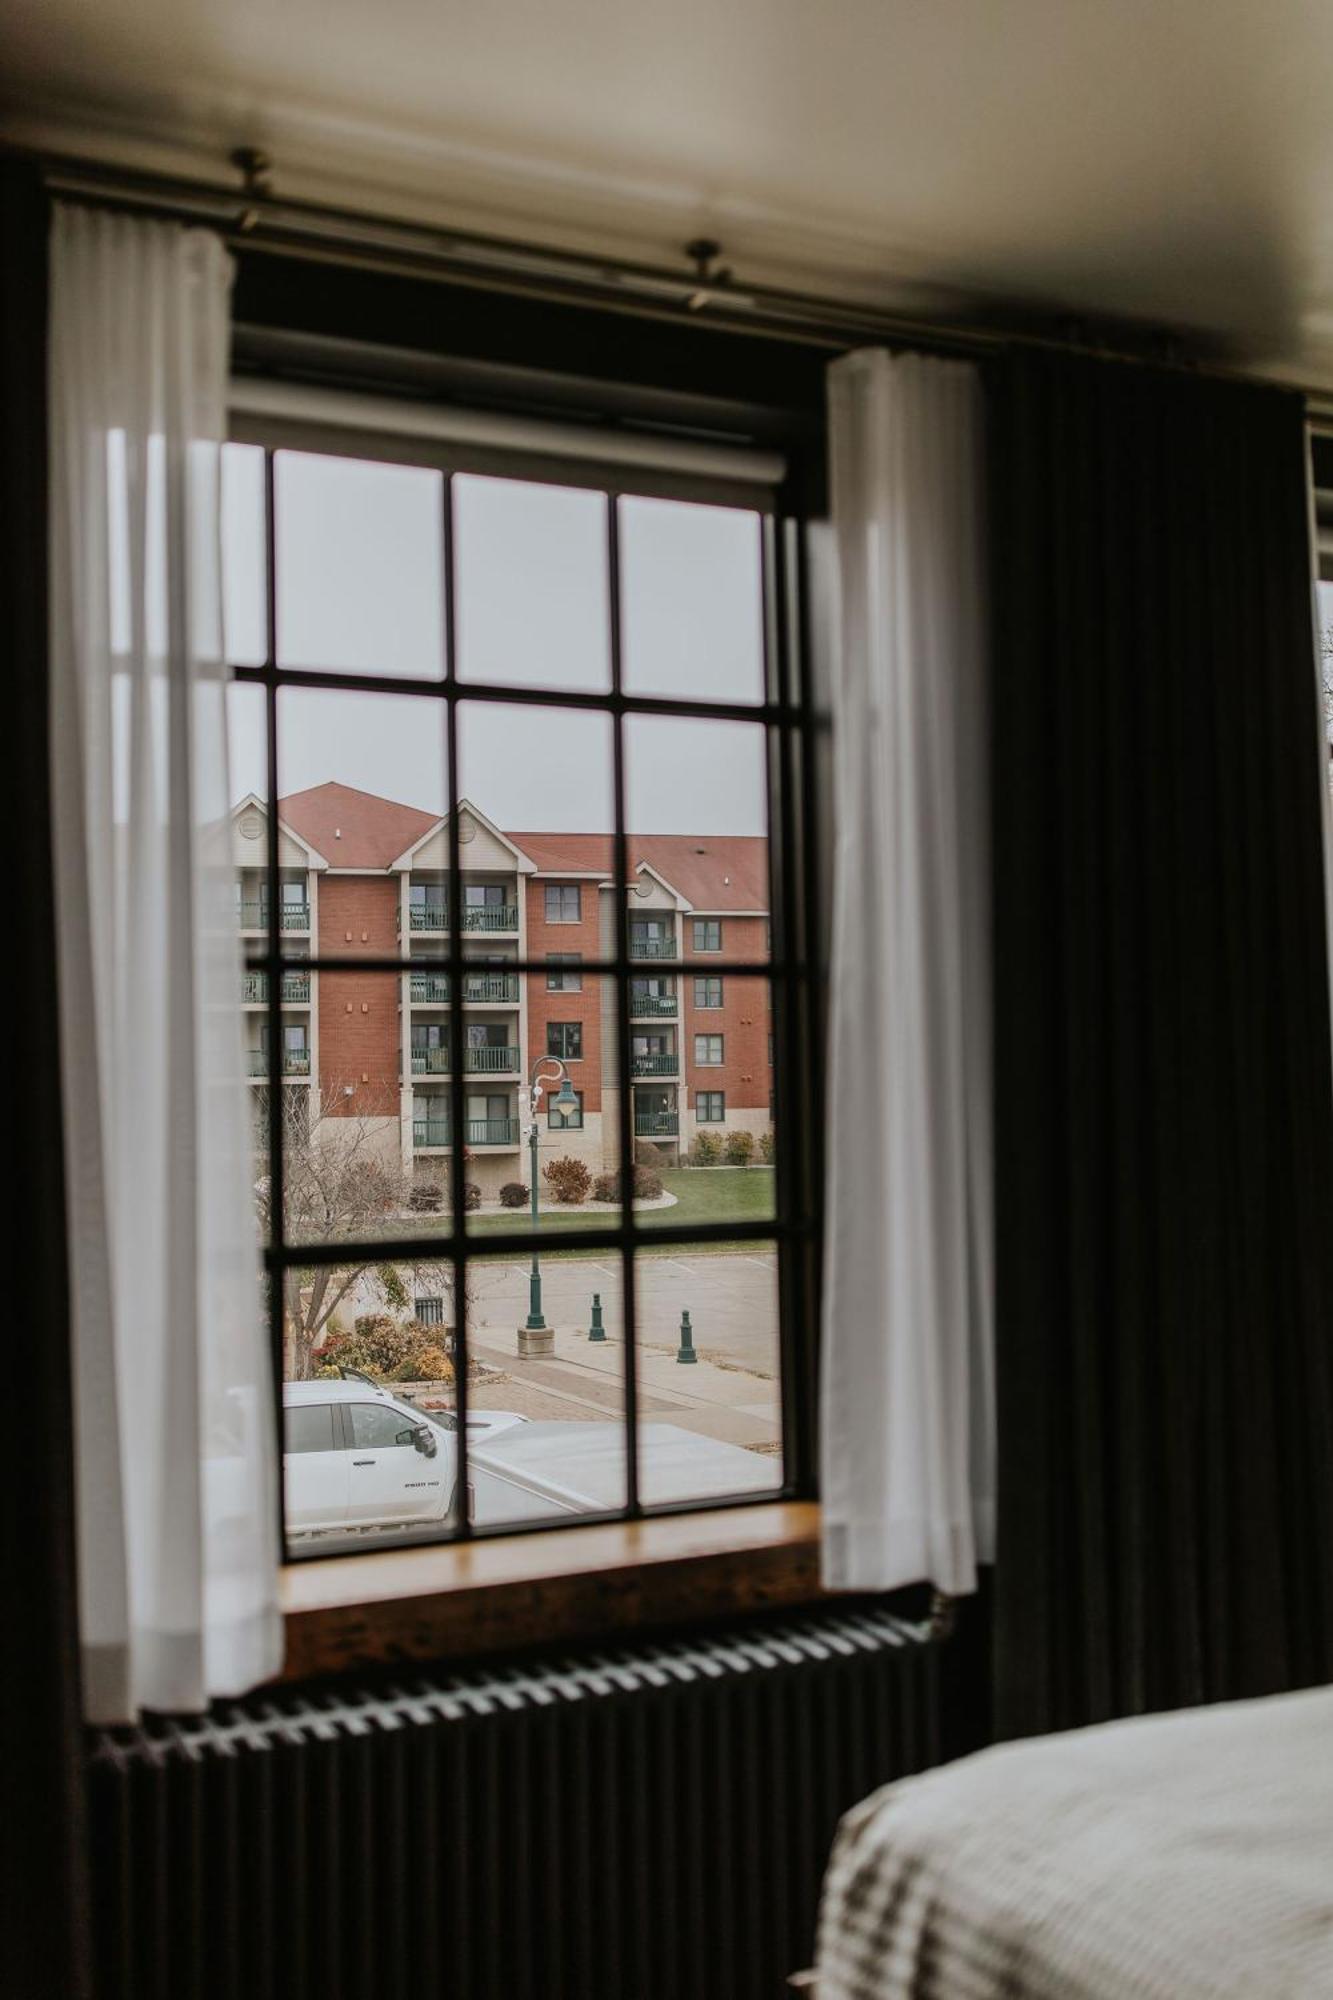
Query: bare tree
[340,1182]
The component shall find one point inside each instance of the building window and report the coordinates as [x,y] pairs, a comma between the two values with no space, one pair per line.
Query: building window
[586,711]
[562,975]
[565,1039]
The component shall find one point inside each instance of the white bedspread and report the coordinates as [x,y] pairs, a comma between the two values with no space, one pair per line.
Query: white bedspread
[1166,1858]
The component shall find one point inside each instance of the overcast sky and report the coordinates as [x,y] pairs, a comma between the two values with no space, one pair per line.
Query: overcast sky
[359,586]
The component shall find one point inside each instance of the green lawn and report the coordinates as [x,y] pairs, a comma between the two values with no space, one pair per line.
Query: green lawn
[741,1194]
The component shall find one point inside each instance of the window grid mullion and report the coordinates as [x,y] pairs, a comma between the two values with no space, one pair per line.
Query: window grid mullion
[625,1097]
[457,1080]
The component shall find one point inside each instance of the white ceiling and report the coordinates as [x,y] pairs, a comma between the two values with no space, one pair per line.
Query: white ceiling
[1171,159]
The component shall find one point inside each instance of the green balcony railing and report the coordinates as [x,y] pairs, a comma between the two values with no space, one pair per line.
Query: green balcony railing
[492,1131]
[430,1131]
[652,1006]
[660,1063]
[483,988]
[656,1124]
[430,1062]
[295,988]
[645,944]
[253,916]
[434,916]
[490,1060]
[295,1062]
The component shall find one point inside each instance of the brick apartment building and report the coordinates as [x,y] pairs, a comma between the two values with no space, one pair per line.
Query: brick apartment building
[365,876]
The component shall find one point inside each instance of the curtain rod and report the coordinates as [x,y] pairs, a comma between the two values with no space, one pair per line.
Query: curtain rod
[251,218]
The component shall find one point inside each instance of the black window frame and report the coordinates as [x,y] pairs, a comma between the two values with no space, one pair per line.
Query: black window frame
[565,1030]
[560,890]
[707,925]
[563,964]
[796,736]
[706,980]
[567,1123]
[708,1062]
[718,1117]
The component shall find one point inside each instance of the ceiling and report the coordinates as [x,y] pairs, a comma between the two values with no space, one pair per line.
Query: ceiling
[1152,158]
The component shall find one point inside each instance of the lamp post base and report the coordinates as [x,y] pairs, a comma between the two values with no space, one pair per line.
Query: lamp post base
[533,1340]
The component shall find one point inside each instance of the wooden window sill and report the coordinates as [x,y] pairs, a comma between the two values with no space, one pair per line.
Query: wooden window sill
[559,1586]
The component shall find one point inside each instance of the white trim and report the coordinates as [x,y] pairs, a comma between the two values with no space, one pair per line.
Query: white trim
[523,864]
[252,799]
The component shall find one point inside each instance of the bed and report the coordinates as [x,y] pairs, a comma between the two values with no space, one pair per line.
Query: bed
[1165,1858]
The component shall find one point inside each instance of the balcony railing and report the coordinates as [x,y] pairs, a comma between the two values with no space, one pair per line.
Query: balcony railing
[643,944]
[484,988]
[294,1062]
[480,1132]
[656,1124]
[476,917]
[488,1061]
[295,988]
[253,916]
[652,1006]
[661,1063]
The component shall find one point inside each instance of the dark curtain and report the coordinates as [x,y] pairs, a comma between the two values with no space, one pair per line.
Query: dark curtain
[43,1942]
[1164,1105]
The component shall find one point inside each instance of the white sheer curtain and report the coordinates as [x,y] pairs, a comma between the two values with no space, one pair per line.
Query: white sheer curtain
[908,1404]
[175,1455]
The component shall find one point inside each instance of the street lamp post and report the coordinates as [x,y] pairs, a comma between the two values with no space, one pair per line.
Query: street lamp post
[535,1336]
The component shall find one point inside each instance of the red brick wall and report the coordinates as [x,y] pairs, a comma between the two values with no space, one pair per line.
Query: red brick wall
[585,1006]
[359,1019]
[744,1019]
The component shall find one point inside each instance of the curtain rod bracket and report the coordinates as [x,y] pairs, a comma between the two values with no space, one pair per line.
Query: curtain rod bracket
[703,253]
[255,167]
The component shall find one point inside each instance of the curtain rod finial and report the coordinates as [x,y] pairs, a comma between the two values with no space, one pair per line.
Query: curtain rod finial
[255,167]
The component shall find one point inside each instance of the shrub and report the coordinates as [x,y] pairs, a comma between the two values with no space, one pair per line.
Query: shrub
[391,1350]
[471,1195]
[647,1185]
[739,1149]
[568,1179]
[706,1150]
[513,1195]
[766,1147]
[646,1154]
[426,1197]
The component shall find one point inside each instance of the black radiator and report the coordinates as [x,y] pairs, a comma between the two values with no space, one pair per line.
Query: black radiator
[648,1822]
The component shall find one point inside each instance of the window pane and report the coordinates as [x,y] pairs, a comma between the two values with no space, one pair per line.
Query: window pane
[550,1437]
[360,565]
[711,1425]
[543,779]
[308,1427]
[244,557]
[719,1160]
[692,600]
[532,591]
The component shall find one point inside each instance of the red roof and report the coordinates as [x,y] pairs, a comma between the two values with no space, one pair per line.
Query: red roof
[353,829]
[711,871]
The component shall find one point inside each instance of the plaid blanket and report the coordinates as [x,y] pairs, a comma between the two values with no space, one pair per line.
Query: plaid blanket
[1168,1858]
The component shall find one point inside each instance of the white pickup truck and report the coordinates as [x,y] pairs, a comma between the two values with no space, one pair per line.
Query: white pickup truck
[361,1461]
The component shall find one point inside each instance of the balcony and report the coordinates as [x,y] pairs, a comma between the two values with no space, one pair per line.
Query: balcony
[656,1124]
[428,1132]
[644,944]
[431,989]
[295,989]
[253,916]
[662,1063]
[490,1061]
[652,1006]
[295,1062]
[476,917]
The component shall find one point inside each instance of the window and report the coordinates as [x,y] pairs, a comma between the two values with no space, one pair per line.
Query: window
[562,974]
[378,1426]
[517,746]
[565,1039]
[564,1119]
[309,1427]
